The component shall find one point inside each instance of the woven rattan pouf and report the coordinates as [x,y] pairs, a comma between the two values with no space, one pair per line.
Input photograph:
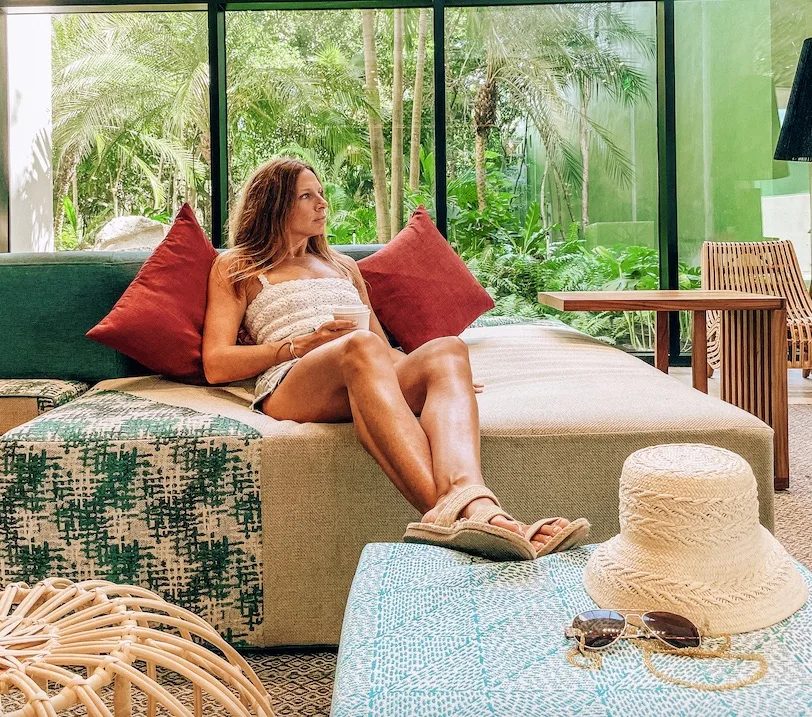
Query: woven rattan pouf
[61,643]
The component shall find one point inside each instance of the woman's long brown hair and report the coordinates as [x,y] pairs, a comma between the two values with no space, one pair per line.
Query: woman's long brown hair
[257,228]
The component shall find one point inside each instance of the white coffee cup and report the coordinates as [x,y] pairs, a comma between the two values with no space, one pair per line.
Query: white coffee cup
[358,313]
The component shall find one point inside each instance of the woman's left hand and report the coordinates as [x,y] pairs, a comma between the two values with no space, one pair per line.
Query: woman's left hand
[478,387]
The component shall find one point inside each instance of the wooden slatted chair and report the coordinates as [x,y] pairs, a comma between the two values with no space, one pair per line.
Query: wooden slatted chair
[770,268]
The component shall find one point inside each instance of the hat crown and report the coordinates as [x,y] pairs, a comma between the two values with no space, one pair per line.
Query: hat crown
[690,542]
[687,496]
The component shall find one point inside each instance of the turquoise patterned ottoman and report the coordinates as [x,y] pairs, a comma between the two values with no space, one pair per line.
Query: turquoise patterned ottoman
[122,488]
[431,632]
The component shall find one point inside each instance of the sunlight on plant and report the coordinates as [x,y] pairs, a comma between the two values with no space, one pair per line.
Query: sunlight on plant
[530,155]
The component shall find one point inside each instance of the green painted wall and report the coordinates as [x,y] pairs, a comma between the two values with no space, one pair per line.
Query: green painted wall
[735,60]
[725,120]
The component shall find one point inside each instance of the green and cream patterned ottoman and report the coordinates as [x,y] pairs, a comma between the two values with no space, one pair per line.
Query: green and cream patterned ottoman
[22,399]
[126,489]
[428,631]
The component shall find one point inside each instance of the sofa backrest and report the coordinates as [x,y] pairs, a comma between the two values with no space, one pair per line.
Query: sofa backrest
[48,301]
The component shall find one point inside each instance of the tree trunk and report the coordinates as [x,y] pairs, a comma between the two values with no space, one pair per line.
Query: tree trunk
[397,125]
[484,121]
[567,198]
[376,148]
[417,105]
[543,208]
[584,158]
[64,176]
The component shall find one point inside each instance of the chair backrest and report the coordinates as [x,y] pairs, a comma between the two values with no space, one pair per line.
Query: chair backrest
[766,267]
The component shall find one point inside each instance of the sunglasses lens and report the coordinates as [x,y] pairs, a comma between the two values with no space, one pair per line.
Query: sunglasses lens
[599,627]
[676,630]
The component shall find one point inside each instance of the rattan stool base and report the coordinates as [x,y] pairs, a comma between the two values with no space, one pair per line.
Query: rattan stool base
[62,642]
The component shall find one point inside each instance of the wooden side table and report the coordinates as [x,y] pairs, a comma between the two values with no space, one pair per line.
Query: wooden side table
[753,344]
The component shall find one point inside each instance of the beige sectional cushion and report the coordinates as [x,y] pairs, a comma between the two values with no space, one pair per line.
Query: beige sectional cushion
[559,414]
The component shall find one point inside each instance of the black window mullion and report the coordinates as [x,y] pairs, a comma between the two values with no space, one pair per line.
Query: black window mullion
[667,161]
[218,126]
[440,166]
[5,169]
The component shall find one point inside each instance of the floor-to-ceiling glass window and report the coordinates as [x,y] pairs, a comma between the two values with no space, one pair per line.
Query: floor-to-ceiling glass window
[552,154]
[351,92]
[735,64]
[108,118]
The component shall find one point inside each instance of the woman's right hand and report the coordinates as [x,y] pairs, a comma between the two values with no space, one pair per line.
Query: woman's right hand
[327,332]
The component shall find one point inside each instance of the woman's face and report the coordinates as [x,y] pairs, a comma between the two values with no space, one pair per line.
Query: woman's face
[309,212]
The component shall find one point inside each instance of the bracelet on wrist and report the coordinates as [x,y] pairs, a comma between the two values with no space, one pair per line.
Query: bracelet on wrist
[292,349]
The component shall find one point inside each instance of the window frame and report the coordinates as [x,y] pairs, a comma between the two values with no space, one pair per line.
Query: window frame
[216,10]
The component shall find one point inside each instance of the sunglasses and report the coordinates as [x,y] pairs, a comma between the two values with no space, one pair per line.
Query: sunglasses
[598,629]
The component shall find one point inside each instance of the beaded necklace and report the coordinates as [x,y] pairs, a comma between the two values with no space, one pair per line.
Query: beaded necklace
[580,656]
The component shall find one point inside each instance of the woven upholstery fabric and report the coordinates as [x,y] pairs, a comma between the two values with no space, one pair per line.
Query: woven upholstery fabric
[122,488]
[432,632]
[560,413]
[23,399]
[16,410]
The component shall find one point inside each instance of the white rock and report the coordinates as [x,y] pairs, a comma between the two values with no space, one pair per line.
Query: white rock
[131,233]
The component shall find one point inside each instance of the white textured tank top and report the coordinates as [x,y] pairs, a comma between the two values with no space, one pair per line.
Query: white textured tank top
[296,306]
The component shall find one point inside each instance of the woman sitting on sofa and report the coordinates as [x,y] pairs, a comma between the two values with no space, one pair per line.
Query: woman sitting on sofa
[281,281]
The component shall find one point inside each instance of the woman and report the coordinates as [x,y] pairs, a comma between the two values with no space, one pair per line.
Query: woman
[281,279]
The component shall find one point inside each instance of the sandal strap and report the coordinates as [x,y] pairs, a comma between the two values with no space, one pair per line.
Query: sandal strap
[452,509]
[533,529]
[487,513]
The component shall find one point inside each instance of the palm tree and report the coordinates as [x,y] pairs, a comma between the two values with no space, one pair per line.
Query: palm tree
[484,120]
[376,145]
[397,123]
[600,68]
[312,106]
[417,104]
[122,107]
[538,85]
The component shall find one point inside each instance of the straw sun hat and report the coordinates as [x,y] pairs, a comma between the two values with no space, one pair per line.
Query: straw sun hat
[690,542]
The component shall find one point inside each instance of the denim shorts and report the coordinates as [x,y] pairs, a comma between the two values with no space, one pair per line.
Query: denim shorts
[268,381]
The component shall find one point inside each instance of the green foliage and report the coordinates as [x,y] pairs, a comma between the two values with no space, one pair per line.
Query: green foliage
[514,280]
[130,117]
[502,225]
[131,122]
[72,232]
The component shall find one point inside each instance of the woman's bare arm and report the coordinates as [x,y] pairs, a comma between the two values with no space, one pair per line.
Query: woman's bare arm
[374,324]
[223,360]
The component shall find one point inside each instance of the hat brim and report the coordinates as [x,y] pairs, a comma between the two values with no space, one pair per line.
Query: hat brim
[622,576]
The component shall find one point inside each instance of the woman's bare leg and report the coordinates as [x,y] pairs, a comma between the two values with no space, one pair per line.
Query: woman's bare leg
[436,381]
[354,378]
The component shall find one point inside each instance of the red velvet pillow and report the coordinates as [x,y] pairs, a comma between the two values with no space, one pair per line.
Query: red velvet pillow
[158,321]
[419,288]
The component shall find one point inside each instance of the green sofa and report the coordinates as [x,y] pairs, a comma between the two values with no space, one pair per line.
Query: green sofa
[256,524]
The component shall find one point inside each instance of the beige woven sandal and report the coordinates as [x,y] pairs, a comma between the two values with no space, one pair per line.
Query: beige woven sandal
[473,535]
[567,538]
